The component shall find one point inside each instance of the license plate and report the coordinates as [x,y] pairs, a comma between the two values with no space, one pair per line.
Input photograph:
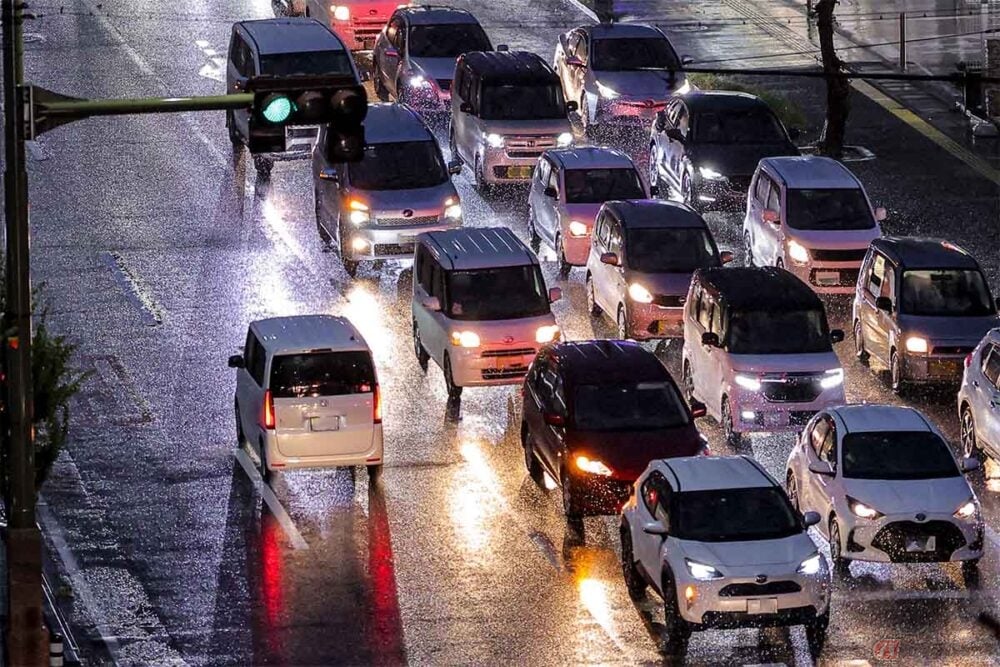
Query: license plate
[945,367]
[828,277]
[519,172]
[763,606]
[324,424]
[921,544]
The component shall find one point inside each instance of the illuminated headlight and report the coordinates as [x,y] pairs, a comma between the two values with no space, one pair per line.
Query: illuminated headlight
[417,81]
[639,293]
[494,140]
[359,217]
[465,339]
[861,510]
[605,92]
[916,344]
[966,511]
[577,229]
[748,382]
[684,88]
[798,253]
[810,565]
[453,211]
[340,12]
[832,378]
[710,174]
[702,572]
[564,139]
[359,244]
[593,467]
[547,334]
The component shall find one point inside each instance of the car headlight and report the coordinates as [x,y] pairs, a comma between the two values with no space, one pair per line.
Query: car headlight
[916,344]
[577,229]
[564,139]
[701,571]
[341,12]
[465,339]
[494,140]
[748,382]
[861,510]
[966,511]
[453,211]
[810,565]
[359,214]
[639,293]
[710,174]
[592,466]
[832,378]
[605,92]
[417,81]
[798,253]
[547,334]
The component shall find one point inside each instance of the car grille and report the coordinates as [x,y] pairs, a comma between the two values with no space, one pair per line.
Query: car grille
[791,388]
[892,540]
[517,352]
[393,249]
[400,221]
[952,349]
[751,589]
[444,84]
[528,147]
[838,255]
[669,300]
[504,373]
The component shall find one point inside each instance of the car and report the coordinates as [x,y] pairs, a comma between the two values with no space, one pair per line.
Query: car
[920,306]
[374,209]
[595,413]
[307,395]
[887,486]
[757,350]
[812,216]
[414,56]
[277,48]
[506,110]
[717,538]
[620,74]
[705,145]
[567,189]
[979,400]
[357,22]
[640,263]
[480,307]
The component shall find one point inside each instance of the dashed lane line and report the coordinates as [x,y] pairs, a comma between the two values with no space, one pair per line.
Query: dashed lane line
[277,509]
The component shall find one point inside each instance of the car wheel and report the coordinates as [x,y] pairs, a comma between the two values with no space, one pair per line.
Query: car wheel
[816,630]
[592,306]
[533,237]
[241,438]
[859,343]
[564,266]
[748,247]
[654,172]
[687,380]
[841,565]
[622,321]
[263,166]
[687,190]
[374,473]
[418,348]
[234,134]
[677,629]
[265,472]
[896,373]
[380,90]
[733,437]
[570,502]
[531,462]
[481,184]
[970,446]
[792,489]
[634,582]
[454,391]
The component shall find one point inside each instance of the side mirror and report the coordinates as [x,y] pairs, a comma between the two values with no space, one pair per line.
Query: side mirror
[676,135]
[969,464]
[465,107]
[455,167]
[794,133]
[502,48]
[553,419]
[236,361]
[811,518]
[551,192]
[710,339]
[573,61]
[329,174]
[555,293]
[609,258]
[821,468]
[884,303]
[654,191]
[726,256]
[572,106]
[686,60]
[431,303]
[881,214]
[837,336]
[654,528]
[770,215]
[698,409]
[391,52]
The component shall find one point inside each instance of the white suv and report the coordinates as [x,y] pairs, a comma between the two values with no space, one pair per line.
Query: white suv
[979,400]
[888,487]
[718,539]
[810,215]
[307,395]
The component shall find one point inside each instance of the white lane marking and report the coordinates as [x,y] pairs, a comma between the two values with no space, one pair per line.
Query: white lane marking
[585,9]
[215,68]
[285,521]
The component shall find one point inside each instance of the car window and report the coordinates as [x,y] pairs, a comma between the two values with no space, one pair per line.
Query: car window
[897,455]
[705,312]
[876,276]
[322,374]
[615,240]
[945,293]
[760,192]
[254,358]
[818,436]
[991,365]
[553,179]
[774,198]
[465,87]
[437,282]
[394,33]
[650,494]
[828,447]
[542,173]
[424,268]
[602,233]
[548,381]
[628,406]
[682,119]
[717,320]
[583,49]
[447,40]
[571,44]
[656,496]
[888,284]
[237,55]
[307,62]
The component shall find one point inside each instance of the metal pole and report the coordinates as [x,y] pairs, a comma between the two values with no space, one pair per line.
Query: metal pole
[27,643]
[902,41]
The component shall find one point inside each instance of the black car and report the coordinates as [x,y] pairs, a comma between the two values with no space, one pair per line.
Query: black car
[705,146]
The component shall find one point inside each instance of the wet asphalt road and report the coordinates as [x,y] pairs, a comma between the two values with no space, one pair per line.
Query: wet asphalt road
[157,246]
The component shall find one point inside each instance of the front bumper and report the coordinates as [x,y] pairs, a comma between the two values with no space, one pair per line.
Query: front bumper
[933,368]
[903,539]
[828,277]
[626,113]
[650,321]
[740,602]
[397,242]
[770,416]
[598,496]
[486,366]
[727,192]
[277,461]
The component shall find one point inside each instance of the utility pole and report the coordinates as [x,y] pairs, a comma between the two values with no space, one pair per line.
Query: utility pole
[27,641]
[838,86]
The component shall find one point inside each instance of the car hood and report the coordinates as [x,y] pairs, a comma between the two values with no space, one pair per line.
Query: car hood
[416,199]
[435,68]
[732,556]
[910,496]
[585,213]
[847,239]
[963,331]
[784,363]
[661,283]
[628,453]
[533,127]
[653,85]
[736,160]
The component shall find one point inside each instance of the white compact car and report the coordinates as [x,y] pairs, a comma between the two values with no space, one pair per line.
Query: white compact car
[307,395]
[979,400]
[720,542]
[810,215]
[887,486]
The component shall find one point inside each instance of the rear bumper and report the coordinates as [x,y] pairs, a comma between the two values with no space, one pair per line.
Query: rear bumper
[647,321]
[828,277]
[277,461]
[388,243]
[933,368]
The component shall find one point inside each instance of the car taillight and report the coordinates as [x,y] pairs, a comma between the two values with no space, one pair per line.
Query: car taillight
[377,405]
[268,410]
[968,359]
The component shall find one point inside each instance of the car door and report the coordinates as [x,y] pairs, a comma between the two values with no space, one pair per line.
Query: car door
[433,325]
[467,133]
[652,506]
[705,360]
[815,489]
[390,59]
[672,149]
[770,236]
[250,387]
[240,68]
[572,77]
[754,226]
[550,437]
[548,209]
[987,400]
[875,336]
[599,270]
[614,286]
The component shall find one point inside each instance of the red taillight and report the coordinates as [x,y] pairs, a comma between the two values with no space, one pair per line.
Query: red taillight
[377,405]
[968,359]
[268,410]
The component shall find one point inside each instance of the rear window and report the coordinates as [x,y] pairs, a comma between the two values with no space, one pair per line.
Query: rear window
[306,62]
[322,374]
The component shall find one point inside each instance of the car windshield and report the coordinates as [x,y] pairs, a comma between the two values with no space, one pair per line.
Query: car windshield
[504,293]
[671,250]
[643,406]
[733,515]
[897,455]
[945,293]
[596,186]
[778,332]
[754,126]
[307,62]
[447,40]
[399,166]
[828,210]
[321,374]
[522,102]
[616,55]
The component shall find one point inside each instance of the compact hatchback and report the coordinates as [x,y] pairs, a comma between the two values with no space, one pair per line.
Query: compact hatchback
[720,542]
[979,400]
[921,305]
[889,487]
[640,264]
[595,414]
[810,215]
[307,395]
[567,190]
[374,209]
[757,350]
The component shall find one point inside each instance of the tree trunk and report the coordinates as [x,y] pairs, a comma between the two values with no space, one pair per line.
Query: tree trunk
[838,87]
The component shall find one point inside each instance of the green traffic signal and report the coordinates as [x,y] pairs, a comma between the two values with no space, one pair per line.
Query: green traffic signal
[277,109]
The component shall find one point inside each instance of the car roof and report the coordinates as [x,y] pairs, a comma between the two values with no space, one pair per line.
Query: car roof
[304,333]
[714,100]
[478,248]
[708,473]
[622,30]
[590,157]
[880,418]
[436,15]
[291,35]
[913,252]
[654,213]
[765,288]
[387,122]
[608,362]
[811,171]
[510,66]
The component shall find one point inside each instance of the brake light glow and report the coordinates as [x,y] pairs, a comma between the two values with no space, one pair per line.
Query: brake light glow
[377,405]
[268,410]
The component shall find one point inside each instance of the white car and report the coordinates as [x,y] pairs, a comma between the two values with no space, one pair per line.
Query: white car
[887,486]
[720,542]
[979,400]
[810,215]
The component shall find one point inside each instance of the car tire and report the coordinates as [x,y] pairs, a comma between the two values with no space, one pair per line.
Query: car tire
[816,631]
[454,391]
[687,382]
[263,166]
[234,134]
[748,249]
[533,238]
[484,188]
[677,629]
[733,438]
[241,438]
[592,307]
[374,474]
[841,566]
[634,582]
[531,462]
[423,358]
[564,266]
[570,503]
[896,381]
[622,321]
[792,490]
[970,445]
[859,344]
[654,171]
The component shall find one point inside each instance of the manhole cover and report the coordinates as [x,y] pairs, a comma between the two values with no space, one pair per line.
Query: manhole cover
[30,37]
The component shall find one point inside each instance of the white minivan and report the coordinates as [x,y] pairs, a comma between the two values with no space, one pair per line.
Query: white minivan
[307,395]
[480,307]
[811,216]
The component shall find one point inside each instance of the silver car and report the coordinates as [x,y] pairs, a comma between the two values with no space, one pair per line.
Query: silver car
[374,209]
